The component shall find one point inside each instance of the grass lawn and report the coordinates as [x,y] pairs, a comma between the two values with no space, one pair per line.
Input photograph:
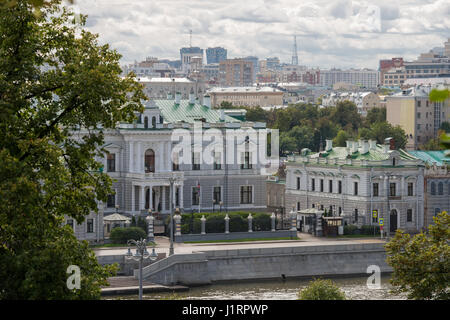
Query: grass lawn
[244,240]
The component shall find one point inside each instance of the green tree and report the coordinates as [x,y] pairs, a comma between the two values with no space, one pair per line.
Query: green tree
[422,263]
[287,143]
[321,289]
[304,137]
[256,114]
[341,138]
[375,115]
[346,115]
[382,130]
[226,105]
[54,78]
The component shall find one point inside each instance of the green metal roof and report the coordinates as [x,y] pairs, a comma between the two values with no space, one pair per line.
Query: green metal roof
[186,112]
[431,157]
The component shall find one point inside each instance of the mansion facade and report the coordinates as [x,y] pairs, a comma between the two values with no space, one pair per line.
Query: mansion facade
[358,182]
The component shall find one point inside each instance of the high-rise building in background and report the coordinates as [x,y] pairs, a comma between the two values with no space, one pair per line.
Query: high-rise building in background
[186,54]
[253,60]
[216,55]
[386,65]
[235,73]
[365,78]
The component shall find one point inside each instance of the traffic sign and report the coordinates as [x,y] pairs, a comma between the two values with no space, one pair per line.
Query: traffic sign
[381,222]
[374,213]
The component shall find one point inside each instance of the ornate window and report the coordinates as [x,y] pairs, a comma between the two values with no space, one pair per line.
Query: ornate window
[433,188]
[149,160]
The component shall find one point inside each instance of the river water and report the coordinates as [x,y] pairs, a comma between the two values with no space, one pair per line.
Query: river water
[355,288]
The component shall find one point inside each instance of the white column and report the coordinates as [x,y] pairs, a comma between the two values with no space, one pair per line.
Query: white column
[150,202]
[139,157]
[132,198]
[131,166]
[142,198]
[163,205]
[169,157]
[160,157]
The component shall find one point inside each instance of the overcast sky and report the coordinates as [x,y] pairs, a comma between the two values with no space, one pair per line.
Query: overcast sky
[340,33]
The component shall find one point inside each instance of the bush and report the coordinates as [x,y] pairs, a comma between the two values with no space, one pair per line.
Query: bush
[215,222]
[262,222]
[321,289]
[238,223]
[122,235]
[368,229]
[350,229]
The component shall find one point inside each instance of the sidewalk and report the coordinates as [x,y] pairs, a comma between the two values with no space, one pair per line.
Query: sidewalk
[163,244]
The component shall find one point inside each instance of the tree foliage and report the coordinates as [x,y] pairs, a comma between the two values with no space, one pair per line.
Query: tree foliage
[321,289]
[54,78]
[422,263]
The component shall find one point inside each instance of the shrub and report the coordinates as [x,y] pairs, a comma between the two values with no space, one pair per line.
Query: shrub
[262,222]
[368,229]
[214,224]
[321,289]
[238,223]
[350,229]
[122,235]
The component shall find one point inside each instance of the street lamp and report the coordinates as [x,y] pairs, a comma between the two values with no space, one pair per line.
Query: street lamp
[214,204]
[220,204]
[140,255]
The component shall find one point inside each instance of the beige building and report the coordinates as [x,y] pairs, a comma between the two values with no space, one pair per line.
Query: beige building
[247,96]
[394,77]
[416,114]
[364,101]
[235,73]
[160,88]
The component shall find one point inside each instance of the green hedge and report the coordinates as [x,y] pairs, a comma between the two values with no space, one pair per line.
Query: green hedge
[215,222]
[122,235]
[364,229]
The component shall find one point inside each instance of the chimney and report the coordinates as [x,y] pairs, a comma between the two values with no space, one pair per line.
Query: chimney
[169,96]
[191,97]
[364,147]
[328,145]
[207,101]
[177,98]
[349,144]
[222,115]
[354,147]
[373,144]
[390,142]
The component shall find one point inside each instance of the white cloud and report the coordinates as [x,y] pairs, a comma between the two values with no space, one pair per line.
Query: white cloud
[343,33]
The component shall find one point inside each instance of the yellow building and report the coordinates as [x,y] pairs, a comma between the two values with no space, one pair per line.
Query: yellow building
[416,114]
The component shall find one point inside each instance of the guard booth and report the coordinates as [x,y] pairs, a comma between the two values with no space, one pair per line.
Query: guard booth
[331,226]
[310,221]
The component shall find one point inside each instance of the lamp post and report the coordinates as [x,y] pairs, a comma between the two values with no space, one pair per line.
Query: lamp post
[140,255]
[214,204]
[220,206]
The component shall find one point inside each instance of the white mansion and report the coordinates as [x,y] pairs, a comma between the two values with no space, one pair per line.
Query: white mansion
[140,161]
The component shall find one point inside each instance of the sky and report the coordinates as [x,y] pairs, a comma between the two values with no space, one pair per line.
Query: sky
[337,33]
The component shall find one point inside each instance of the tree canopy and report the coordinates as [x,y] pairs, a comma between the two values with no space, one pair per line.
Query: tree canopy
[422,263]
[54,78]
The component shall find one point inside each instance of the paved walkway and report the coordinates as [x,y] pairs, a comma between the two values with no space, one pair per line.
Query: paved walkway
[163,244]
[130,285]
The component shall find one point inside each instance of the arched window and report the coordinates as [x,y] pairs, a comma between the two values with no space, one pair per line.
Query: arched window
[440,188]
[153,122]
[161,119]
[393,162]
[149,161]
[146,122]
[433,188]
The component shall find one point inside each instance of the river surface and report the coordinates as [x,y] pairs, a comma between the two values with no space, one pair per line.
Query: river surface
[355,288]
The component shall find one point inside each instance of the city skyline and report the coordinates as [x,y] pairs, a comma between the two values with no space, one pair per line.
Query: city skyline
[342,34]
